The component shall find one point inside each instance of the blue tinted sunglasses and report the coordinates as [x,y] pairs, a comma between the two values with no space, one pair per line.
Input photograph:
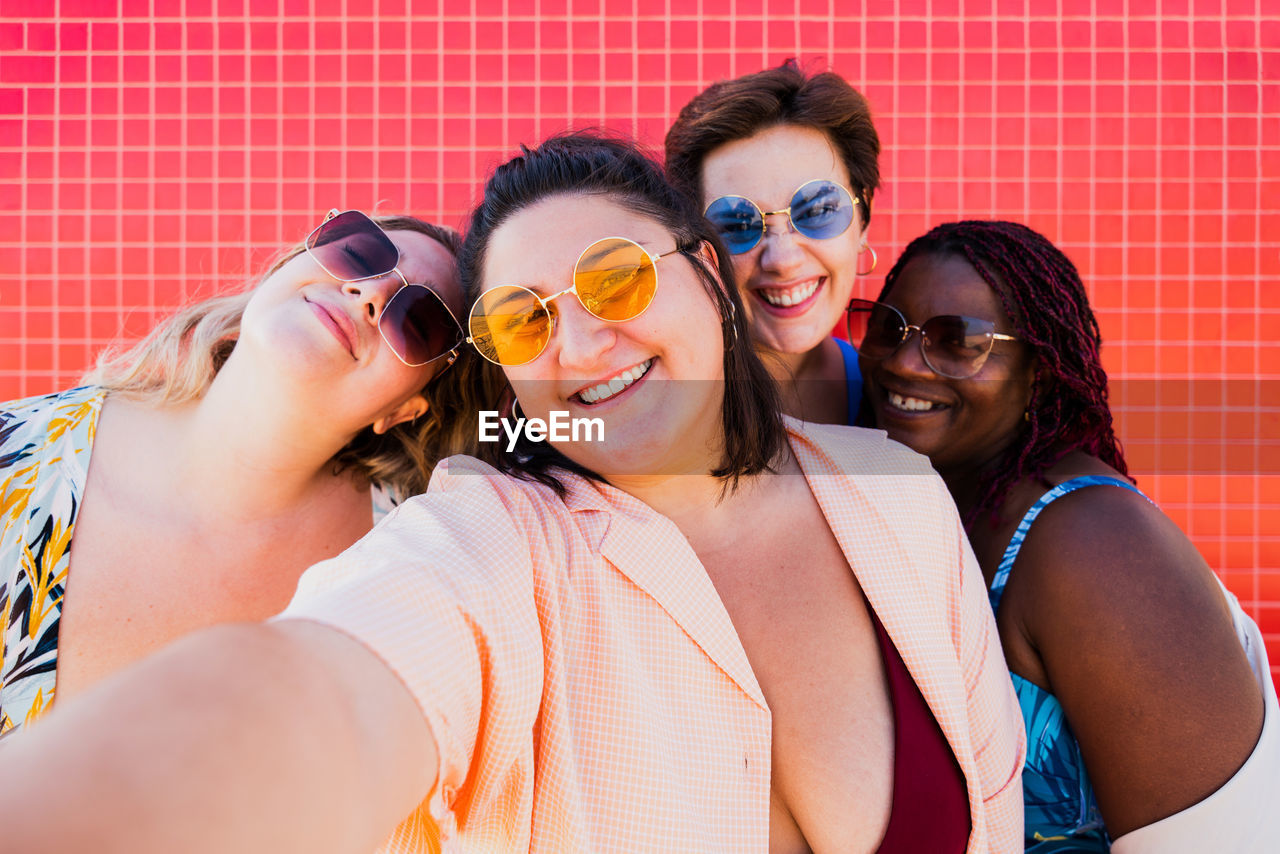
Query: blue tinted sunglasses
[820,210]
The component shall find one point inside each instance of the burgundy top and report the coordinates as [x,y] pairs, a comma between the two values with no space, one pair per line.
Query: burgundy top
[930,811]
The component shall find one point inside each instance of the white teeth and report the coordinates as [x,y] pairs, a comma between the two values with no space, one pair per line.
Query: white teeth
[789,296]
[606,390]
[910,404]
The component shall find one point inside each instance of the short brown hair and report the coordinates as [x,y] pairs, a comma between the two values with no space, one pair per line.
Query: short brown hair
[739,108]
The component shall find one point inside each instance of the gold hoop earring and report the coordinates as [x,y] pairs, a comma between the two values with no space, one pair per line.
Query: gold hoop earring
[874,259]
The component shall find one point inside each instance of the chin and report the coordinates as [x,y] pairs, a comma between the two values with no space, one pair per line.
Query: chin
[789,341]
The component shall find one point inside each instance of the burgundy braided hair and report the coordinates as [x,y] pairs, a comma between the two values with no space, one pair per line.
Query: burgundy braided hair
[1042,294]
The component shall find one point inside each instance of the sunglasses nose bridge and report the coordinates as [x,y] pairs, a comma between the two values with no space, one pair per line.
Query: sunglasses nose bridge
[784,212]
[547,300]
[579,337]
[910,329]
[926,346]
[901,358]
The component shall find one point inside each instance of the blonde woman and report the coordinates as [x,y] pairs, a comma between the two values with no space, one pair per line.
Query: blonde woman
[200,472]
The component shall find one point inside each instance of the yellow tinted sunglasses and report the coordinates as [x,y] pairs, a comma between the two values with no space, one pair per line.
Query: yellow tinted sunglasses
[614,279]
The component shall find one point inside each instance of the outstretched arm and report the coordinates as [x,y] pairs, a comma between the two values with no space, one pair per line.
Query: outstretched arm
[279,737]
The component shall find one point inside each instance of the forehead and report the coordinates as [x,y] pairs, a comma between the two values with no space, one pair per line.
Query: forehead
[770,165]
[424,261]
[539,246]
[931,285]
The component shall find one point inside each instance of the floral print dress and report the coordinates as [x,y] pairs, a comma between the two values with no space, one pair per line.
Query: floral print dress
[45,444]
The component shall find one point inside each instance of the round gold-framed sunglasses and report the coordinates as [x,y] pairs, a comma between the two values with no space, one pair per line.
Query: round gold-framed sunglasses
[614,279]
[820,209]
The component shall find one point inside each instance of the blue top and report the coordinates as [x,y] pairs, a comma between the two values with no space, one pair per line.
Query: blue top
[852,379]
[1061,811]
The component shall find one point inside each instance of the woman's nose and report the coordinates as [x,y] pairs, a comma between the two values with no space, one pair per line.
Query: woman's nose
[580,337]
[782,251]
[907,359]
[374,294]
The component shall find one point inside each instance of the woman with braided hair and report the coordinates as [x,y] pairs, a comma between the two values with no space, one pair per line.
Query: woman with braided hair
[1144,688]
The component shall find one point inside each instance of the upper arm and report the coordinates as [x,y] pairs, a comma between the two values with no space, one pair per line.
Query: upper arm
[1138,647]
[441,594]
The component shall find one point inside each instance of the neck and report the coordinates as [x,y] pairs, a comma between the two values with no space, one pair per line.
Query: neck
[680,497]
[252,446]
[963,489]
[967,483]
[812,383]
[706,510]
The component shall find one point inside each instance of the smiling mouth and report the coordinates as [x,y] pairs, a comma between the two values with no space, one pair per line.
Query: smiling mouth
[791,296]
[614,386]
[911,404]
[334,325]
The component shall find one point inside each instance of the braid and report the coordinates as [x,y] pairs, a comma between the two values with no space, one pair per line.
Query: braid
[1041,292]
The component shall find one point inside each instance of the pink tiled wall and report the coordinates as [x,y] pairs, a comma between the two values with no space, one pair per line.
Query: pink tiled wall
[151,156]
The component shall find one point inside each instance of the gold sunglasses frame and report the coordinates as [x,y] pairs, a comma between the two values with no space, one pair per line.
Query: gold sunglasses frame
[545,302]
[791,225]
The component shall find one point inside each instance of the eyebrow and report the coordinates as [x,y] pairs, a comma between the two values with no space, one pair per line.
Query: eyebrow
[601,253]
[512,297]
[822,192]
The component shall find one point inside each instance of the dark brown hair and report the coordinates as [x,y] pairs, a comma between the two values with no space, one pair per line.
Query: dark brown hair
[587,163]
[739,108]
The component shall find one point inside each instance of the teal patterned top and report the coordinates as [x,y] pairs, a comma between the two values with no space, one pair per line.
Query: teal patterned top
[1061,813]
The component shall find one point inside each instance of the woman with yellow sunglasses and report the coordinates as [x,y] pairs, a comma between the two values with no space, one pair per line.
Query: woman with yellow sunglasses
[232,448]
[716,629]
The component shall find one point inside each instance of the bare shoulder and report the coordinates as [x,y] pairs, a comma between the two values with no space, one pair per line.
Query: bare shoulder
[1113,546]
[1136,642]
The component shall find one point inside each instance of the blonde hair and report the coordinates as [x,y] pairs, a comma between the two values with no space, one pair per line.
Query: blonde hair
[178,359]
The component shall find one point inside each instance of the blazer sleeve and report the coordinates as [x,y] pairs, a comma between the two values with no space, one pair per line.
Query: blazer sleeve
[995,720]
[442,592]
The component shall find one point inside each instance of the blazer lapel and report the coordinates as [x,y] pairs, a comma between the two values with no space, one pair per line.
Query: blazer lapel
[635,533]
[917,623]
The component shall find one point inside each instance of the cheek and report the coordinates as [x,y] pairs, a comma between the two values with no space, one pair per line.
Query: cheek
[843,253]
[744,266]
[529,390]
[398,382]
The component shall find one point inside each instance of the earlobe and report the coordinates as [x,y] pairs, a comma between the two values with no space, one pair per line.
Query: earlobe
[707,254]
[707,257]
[413,408]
